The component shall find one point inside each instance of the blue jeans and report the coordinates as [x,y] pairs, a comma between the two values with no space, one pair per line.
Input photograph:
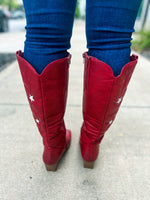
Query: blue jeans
[109,26]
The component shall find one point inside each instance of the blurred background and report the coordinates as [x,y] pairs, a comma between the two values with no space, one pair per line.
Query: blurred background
[12,31]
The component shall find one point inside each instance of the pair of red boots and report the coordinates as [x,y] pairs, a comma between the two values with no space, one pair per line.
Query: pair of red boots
[47,94]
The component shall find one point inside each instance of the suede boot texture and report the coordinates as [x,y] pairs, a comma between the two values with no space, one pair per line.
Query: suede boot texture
[102,96]
[47,94]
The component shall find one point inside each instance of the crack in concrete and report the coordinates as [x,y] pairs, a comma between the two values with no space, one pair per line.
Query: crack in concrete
[77,105]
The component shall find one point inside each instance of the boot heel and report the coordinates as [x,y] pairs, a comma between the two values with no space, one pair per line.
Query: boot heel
[51,167]
[89,165]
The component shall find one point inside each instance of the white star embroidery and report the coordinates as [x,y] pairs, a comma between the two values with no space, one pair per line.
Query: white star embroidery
[119,100]
[37,121]
[110,122]
[31,98]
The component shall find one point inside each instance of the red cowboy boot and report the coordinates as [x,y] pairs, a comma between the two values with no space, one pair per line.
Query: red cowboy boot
[47,94]
[103,94]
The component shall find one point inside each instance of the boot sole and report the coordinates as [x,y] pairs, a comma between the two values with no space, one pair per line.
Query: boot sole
[89,165]
[51,167]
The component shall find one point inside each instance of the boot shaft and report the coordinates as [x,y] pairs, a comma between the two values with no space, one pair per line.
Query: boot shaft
[102,96]
[47,94]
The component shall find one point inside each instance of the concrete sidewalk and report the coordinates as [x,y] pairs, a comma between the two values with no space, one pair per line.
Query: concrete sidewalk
[122,169]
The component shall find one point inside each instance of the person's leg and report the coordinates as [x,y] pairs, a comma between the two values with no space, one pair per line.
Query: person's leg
[48,30]
[109,26]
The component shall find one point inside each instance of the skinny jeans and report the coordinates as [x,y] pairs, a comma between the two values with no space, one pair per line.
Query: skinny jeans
[109,25]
